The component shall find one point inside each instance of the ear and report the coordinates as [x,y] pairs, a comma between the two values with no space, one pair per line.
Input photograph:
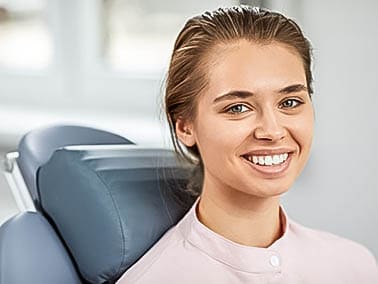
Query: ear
[185,132]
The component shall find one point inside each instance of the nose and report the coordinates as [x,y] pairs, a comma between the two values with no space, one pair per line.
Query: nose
[269,127]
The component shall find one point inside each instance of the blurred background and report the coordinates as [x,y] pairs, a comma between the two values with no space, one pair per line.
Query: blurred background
[102,63]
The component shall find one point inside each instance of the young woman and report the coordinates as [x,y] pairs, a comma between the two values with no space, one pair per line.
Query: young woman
[238,100]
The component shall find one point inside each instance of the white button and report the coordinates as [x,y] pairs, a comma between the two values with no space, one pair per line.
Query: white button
[275,260]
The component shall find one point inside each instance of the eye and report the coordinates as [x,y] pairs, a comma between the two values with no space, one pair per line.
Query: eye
[235,109]
[291,103]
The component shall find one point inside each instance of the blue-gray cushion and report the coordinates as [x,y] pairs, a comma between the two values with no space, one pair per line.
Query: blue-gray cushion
[111,206]
[31,252]
[37,146]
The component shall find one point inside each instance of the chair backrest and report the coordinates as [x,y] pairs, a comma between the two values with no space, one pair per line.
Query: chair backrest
[101,207]
[111,205]
[37,146]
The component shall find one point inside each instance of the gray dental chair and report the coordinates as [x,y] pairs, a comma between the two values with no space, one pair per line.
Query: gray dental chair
[92,203]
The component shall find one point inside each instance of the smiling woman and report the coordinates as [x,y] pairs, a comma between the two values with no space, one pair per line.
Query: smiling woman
[238,100]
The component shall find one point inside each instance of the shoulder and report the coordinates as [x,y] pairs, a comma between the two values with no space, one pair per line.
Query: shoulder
[342,253]
[166,244]
[171,253]
[328,240]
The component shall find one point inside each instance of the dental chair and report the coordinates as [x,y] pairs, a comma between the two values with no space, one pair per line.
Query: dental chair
[92,203]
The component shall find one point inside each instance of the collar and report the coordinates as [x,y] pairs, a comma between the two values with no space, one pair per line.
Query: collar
[240,257]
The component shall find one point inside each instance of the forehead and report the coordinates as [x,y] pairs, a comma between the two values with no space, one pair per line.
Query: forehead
[259,68]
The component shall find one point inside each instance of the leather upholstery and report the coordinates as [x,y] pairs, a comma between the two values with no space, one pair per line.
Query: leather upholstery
[31,252]
[111,206]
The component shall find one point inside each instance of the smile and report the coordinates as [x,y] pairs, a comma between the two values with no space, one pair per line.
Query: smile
[267,160]
[270,166]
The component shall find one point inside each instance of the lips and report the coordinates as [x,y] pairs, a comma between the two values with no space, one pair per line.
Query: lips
[270,171]
[268,160]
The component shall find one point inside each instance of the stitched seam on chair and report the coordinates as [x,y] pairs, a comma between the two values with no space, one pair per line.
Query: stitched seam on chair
[119,220]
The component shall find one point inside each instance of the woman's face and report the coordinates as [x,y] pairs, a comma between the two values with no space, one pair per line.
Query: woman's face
[254,123]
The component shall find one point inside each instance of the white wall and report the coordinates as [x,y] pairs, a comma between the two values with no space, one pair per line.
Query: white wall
[338,190]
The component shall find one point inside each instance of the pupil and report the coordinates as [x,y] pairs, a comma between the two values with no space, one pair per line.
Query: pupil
[237,108]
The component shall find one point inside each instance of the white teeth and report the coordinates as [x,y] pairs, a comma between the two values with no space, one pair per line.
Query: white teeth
[255,159]
[268,160]
[276,160]
[282,158]
[261,160]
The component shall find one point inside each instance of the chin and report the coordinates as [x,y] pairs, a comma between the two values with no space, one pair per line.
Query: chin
[268,190]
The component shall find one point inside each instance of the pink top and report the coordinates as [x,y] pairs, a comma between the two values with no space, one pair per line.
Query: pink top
[190,253]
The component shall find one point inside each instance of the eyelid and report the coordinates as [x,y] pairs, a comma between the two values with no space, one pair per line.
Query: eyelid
[298,100]
[229,107]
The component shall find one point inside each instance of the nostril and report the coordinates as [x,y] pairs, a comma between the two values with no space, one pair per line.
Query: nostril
[269,134]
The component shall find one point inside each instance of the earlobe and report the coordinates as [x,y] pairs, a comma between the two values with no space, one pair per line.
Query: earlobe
[185,133]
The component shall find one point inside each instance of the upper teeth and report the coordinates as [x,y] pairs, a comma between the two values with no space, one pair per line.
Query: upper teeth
[268,160]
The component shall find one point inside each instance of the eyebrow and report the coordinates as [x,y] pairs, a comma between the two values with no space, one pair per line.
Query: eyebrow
[239,94]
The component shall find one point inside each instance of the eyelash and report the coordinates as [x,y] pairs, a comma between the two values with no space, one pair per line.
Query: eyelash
[294,100]
[228,110]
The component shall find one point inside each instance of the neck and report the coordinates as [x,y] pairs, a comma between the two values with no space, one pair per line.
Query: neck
[240,217]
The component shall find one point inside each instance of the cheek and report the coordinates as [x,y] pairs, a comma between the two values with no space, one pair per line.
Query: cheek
[217,137]
[303,131]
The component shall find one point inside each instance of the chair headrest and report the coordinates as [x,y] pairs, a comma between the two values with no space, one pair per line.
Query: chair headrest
[36,147]
[111,205]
